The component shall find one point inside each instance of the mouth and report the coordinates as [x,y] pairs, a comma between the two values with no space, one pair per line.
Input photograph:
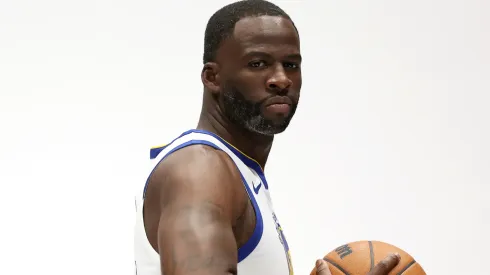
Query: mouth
[279,100]
[279,105]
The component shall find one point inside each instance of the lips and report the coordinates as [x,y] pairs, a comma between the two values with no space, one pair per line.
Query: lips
[278,100]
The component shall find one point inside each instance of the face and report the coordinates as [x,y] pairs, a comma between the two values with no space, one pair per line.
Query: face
[260,74]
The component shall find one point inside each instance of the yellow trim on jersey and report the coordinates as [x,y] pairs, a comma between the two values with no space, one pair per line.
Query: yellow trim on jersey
[159,146]
[245,155]
[290,262]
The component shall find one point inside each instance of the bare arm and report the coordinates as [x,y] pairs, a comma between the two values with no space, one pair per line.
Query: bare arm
[200,202]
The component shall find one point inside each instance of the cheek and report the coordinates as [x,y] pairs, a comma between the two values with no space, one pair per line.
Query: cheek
[296,79]
[252,88]
[297,84]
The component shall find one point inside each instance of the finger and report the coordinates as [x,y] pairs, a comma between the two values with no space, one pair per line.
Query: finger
[386,265]
[322,268]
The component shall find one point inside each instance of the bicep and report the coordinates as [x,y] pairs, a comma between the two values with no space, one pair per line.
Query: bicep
[200,203]
[196,237]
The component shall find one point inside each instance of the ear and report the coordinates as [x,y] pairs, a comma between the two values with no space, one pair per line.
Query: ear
[210,77]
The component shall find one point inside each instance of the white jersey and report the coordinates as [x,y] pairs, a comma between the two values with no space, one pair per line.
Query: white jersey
[265,253]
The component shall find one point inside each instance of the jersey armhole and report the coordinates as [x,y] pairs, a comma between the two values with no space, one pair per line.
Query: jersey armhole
[250,245]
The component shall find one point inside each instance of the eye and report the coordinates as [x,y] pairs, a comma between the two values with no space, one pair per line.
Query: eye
[257,64]
[291,65]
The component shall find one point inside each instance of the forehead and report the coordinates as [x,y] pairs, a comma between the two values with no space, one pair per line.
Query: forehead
[266,33]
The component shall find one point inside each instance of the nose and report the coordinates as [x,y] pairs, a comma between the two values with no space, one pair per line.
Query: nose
[279,81]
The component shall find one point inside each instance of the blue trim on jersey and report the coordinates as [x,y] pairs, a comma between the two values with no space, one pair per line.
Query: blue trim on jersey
[254,240]
[185,144]
[249,162]
[154,152]
[247,248]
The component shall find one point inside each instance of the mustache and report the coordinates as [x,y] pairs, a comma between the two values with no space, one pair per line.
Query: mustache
[234,94]
[273,95]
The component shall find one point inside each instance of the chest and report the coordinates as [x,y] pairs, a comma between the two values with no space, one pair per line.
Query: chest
[267,245]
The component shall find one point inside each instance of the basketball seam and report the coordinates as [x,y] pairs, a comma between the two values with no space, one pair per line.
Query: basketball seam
[337,266]
[406,267]
[371,253]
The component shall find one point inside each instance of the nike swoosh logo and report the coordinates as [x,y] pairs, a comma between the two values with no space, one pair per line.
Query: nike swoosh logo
[256,189]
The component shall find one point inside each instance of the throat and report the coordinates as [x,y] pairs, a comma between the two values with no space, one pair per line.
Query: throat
[254,146]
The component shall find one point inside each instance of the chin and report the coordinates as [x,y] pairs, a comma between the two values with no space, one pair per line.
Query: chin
[267,131]
[266,127]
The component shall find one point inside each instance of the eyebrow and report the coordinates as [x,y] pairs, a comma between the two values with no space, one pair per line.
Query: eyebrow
[295,56]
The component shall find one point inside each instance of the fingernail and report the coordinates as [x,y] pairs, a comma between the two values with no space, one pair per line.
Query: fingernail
[396,255]
[319,263]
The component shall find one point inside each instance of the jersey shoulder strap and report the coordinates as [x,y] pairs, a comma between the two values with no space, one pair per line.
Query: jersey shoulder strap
[195,137]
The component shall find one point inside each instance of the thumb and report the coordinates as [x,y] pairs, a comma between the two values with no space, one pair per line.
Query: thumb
[322,268]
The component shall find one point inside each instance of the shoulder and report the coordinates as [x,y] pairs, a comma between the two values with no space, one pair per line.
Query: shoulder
[197,161]
[197,171]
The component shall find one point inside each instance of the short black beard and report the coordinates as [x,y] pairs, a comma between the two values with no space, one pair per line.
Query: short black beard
[248,114]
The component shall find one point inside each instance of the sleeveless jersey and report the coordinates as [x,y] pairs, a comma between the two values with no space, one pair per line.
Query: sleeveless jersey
[265,253]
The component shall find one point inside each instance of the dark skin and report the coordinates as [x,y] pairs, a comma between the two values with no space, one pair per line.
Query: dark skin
[197,212]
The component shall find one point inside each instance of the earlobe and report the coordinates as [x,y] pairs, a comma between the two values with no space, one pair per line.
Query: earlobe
[210,77]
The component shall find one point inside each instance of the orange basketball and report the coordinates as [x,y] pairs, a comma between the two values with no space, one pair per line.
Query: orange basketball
[358,258]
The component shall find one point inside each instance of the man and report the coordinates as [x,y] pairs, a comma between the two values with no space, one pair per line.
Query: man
[206,207]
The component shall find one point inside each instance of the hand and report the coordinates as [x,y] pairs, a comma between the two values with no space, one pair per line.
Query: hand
[382,268]
[386,265]
[322,268]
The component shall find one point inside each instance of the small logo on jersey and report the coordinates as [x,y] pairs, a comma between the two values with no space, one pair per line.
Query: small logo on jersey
[256,187]
[284,243]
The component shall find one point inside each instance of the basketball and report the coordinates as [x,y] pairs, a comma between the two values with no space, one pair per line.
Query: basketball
[357,258]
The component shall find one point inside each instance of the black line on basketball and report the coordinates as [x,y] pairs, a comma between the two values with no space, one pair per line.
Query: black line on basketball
[337,266]
[406,267]
[371,253]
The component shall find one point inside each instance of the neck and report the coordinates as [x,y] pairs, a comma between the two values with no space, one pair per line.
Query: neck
[252,144]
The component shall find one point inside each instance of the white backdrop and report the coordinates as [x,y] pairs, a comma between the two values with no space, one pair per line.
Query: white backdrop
[390,141]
